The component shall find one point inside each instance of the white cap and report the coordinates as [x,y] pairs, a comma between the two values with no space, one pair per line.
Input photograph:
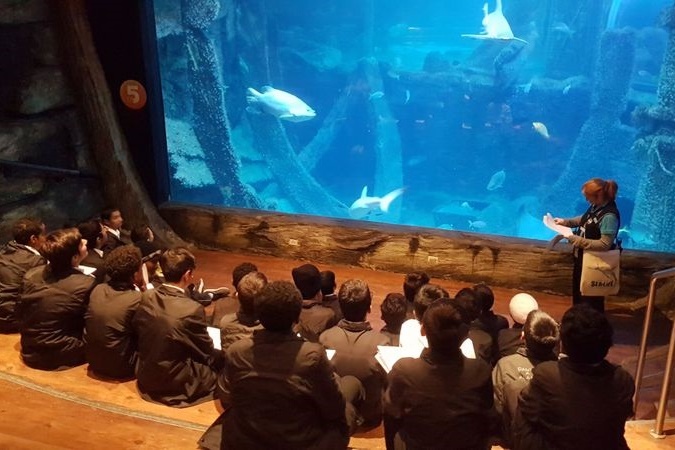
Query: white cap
[520,306]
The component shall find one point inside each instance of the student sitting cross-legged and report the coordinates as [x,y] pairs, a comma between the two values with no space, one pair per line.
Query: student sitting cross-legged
[441,400]
[355,344]
[281,391]
[53,302]
[110,342]
[177,363]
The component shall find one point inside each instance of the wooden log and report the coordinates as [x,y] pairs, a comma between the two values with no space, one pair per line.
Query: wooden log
[499,261]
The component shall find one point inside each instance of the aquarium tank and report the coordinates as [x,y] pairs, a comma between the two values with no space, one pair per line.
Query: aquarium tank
[452,115]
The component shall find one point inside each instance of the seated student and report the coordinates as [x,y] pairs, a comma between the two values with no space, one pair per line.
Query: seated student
[112,221]
[177,363]
[16,258]
[441,400]
[355,344]
[314,317]
[393,312]
[483,345]
[220,309]
[508,339]
[96,238]
[512,373]
[328,287]
[244,322]
[281,390]
[411,284]
[152,272]
[240,271]
[579,402]
[411,330]
[110,342]
[53,302]
[487,320]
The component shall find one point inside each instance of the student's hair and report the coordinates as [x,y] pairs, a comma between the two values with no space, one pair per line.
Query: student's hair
[466,301]
[412,283]
[393,310]
[594,186]
[307,279]
[175,262]
[486,298]
[542,334]
[278,306]
[91,231]
[107,213]
[444,327]
[355,299]
[122,263]
[586,334]
[140,233]
[240,271]
[59,248]
[23,229]
[425,296]
[248,288]
[327,282]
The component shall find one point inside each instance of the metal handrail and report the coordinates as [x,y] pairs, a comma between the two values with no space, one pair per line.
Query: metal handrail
[657,432]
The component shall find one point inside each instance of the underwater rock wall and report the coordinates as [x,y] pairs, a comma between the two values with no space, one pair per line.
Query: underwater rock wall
[655,199]
[602,147]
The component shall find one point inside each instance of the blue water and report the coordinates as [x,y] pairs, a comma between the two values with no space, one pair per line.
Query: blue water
[479,134]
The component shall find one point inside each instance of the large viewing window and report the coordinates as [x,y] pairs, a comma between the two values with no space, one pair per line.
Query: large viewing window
[429,114]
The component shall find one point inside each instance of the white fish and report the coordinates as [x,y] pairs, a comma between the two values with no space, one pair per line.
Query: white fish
[566,89]
[541,129]
[465,205]
[280,104]
[477,224]
[496,180]
[562,28]
[364,206]
[376,95]
[495,26]
[407,97]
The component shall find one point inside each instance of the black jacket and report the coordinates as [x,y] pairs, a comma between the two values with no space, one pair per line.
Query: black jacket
[177,363]
[15,261]
[110,342]
[52,311]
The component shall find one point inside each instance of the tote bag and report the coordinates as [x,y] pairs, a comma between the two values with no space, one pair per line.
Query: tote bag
[600,272]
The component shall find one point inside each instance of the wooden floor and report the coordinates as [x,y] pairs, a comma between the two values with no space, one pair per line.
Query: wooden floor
[72,409]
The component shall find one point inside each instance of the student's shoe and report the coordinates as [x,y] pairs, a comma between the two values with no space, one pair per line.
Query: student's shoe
[217,292]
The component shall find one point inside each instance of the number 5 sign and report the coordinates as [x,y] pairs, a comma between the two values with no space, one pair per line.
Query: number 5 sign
[133,94]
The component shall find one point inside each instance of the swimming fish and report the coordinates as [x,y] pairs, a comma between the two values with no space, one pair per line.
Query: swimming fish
[407,97]
[376,95]
[495,26]
[278,103]
[477,224]
[541,129]
[364,206]
[566,89]
[562,28]
[496,181]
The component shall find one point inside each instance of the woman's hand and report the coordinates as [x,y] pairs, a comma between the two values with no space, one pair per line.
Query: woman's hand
[559,221]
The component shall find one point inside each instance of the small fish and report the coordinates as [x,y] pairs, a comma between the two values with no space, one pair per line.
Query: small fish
[278,103]
[562,28]
[466,126]
[419,121]
[541,129]
[496,180]
[467,97]
[643,73]
[566,89]
[393,74]
[376,95]
[407,97]
[466,205]
[477,224]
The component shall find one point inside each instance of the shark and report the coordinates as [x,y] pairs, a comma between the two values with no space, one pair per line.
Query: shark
[364,206]
[495,26]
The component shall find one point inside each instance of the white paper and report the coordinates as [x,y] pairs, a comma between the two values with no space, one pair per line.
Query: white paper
[330,353]
[87,270]
[548,221]
[214,334]
[387,355]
